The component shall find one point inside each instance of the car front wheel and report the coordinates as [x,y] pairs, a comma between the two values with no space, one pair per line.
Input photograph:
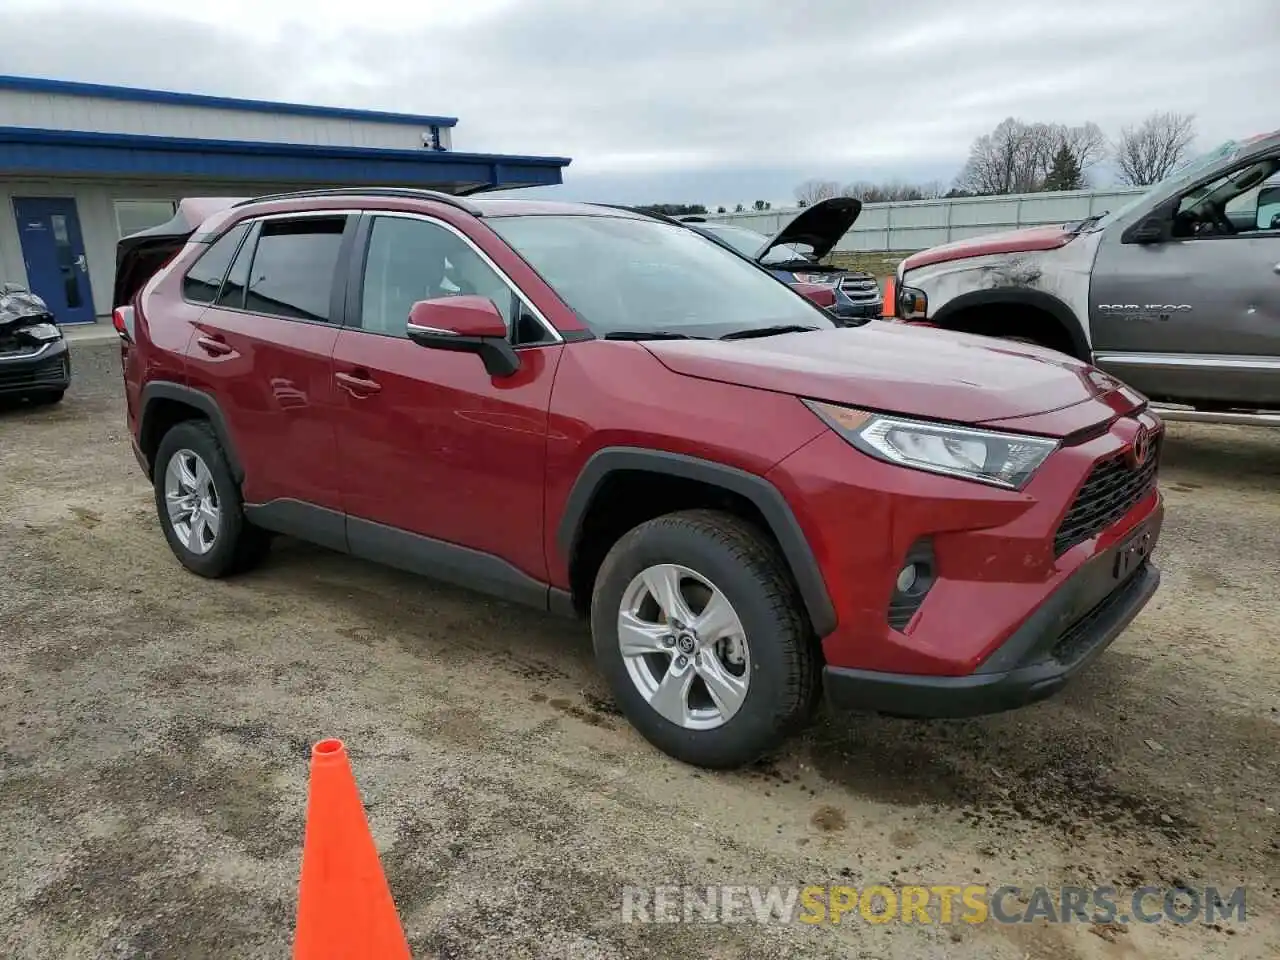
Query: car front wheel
[702,638]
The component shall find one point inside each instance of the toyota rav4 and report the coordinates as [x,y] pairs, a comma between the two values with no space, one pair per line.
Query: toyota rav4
[609,415]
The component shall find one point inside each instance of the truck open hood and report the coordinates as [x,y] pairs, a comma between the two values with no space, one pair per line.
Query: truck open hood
[141,254]
[916,371]
[820,227]
[1011,241]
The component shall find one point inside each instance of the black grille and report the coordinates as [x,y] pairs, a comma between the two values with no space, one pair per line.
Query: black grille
[856,288]
[1110,492]
[46,373]
[1077,638]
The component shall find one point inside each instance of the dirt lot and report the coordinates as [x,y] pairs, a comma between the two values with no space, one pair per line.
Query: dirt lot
[154,731]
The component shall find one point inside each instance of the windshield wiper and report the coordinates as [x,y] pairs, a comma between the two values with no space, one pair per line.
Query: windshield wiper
[767,331]
[649,335]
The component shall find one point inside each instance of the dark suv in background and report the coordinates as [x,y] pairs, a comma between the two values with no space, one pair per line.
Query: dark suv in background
[600,413]
[794,254]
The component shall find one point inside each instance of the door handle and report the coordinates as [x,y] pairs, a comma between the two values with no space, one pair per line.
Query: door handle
[1276,268]
[357,386]
[213,346]
[82,263]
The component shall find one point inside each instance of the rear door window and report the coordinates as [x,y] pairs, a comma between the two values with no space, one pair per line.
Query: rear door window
[203,280]
[293,268]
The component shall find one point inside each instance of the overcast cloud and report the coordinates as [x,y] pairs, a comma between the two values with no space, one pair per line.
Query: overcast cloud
[710,101]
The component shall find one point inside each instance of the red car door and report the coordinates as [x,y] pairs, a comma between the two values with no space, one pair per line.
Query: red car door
[435,453]
[264,350]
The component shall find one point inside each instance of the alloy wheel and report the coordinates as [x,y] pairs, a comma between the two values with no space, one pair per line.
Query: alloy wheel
[192,501]
[684,646]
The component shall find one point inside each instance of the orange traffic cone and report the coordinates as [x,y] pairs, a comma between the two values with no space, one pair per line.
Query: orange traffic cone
[345,910]
[888,309]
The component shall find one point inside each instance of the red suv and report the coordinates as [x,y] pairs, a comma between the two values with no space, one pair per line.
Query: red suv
[600,413]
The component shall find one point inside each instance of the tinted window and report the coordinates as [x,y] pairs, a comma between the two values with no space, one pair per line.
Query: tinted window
[412,260]
[203,279]
[623,274]
[237,277]
[293,267]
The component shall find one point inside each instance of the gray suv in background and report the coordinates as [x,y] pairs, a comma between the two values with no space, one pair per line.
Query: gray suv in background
[1177,293]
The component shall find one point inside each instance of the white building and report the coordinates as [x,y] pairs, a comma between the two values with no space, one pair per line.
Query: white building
[82,165]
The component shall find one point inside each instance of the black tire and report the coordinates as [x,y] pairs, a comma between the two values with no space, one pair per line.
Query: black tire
[745,566]
[47,397]
[239,545]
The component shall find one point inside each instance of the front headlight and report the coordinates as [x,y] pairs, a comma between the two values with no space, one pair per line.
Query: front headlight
[913,304]
[43,331]
[1001,459]
[825,279]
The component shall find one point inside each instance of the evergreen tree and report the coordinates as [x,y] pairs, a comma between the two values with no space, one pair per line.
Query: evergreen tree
[1065,173]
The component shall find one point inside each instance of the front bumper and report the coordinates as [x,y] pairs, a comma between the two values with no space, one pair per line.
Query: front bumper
[846,309]
[43,371]
[1073,626]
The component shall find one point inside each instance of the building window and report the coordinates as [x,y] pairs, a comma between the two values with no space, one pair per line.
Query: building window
[134,216]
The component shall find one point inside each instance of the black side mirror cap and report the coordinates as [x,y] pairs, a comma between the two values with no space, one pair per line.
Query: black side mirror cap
[496,353]
[1153,228]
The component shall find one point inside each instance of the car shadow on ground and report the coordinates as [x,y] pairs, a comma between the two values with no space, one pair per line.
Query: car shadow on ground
[1200,455]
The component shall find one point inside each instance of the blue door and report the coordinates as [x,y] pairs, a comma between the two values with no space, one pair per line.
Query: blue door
[53,251]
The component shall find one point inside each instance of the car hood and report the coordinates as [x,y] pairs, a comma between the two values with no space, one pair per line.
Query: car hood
[1012,241]
[916,371]
[820,227]
[19,307]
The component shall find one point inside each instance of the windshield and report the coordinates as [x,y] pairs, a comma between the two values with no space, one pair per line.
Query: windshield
[643,275]
[1186,171]
[748,243]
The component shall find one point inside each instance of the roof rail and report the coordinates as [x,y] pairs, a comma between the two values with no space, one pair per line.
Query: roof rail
[640,212]
[407,193]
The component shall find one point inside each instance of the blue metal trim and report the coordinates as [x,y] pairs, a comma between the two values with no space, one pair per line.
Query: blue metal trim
[141,95]
[30,150]
[140,141]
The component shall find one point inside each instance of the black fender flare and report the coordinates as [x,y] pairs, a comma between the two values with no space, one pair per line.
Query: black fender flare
[764,495]
[1023,296]
[168,390]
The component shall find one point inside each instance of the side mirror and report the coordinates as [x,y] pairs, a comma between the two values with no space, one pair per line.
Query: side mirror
[823,296]
[1269,208]
[465,324]
[1153,228]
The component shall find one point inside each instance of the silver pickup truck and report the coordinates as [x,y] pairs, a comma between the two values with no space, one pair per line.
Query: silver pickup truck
[1177,292]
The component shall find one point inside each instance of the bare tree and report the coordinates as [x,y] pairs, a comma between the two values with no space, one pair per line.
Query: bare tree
[1086,142]
[812,191]
[892,191]
[1016,157]
[1148,153]
[1009,159]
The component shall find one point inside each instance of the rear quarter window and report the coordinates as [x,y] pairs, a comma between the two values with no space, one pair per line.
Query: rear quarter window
[203,280]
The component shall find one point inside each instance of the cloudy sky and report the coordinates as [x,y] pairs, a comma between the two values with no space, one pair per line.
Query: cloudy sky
[710,101]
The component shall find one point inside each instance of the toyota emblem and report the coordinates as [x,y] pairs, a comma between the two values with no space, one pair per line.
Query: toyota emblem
[1141,445]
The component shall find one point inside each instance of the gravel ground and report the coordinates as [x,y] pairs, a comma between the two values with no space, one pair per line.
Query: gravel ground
[154,731]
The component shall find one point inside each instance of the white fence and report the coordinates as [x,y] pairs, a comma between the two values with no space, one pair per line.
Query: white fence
[919,224]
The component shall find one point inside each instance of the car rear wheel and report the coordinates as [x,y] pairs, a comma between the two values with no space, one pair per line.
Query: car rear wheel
[702,638]
[199,504]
